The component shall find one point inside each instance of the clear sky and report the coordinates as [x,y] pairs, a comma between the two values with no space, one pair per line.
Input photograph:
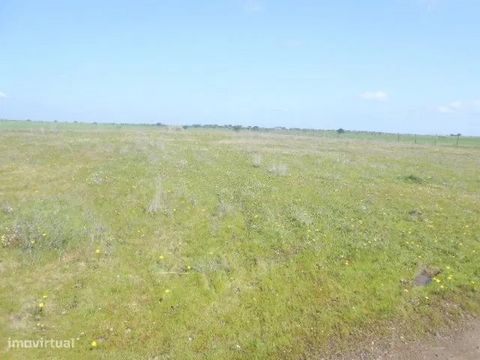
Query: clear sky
[385,65]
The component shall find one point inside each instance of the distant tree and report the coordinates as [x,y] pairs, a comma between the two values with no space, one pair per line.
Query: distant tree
[237,127]
[340,131]
[458,138]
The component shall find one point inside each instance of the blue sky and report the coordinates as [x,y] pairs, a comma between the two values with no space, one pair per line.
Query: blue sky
[384,65]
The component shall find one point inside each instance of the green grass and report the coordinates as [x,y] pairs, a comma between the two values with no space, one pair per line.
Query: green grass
[221,244]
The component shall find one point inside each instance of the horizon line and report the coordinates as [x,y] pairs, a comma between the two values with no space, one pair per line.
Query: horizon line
[232,126]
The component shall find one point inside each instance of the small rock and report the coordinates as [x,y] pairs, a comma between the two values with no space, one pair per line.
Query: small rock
[426,276]
[422,280]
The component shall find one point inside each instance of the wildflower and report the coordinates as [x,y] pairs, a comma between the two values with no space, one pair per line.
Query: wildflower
[32,242]
[189,267]
[427,298]
[442,287]
[93,344]
[41,305]
[161,257]
[44,234]
[97,251]
[45,296]
[167,291]
[449,277]
[437,280]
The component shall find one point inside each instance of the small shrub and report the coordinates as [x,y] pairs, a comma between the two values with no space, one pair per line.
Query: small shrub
[7,209]
[301,216]
[415,215]
[413,179]
[13,237]
[158,202]
[49,230]
[279,170]
[224,208]
[257,160]
[97,178]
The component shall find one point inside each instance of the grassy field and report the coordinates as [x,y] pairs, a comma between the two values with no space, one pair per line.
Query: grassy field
[157,243]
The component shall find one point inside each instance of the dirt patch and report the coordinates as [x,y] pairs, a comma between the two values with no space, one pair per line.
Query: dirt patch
[459,343]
